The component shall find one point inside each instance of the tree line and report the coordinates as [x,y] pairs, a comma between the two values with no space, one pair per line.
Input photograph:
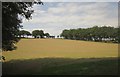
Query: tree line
[101,34]
[35,34]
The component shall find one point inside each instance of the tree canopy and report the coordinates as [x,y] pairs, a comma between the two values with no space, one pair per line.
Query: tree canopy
[12,14]
[92,34]
[47,35]
[23,33]
[38,33]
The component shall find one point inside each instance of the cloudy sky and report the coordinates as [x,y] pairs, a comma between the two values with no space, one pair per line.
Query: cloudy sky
[53,17]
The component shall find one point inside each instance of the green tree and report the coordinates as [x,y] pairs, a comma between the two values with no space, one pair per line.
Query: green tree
[38,33]
[24,33]
[65,34]
[28,33]
[47,35]
[12,13]
[102,34]
[41,33]
[35,33]
[118,34]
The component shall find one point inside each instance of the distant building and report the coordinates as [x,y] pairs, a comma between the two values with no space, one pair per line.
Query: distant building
[60,37]
[30,37]
[51,36]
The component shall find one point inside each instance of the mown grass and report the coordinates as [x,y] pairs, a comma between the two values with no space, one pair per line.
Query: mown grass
[41,48]
[62,66]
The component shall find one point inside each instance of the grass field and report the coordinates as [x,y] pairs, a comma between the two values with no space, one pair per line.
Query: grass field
[62,66]
[61,57]
[41,48]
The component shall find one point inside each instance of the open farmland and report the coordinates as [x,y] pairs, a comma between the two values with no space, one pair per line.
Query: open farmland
[59,56]
[55,48]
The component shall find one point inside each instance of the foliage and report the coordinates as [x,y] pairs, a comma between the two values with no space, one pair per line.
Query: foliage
[47,35]
[12,14]
[106,34]
[38,33]
[23,33]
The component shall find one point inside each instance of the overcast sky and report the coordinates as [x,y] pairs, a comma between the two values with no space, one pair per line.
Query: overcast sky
[53,17]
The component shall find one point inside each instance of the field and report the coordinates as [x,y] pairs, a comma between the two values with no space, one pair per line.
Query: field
[59,56]
[40,48]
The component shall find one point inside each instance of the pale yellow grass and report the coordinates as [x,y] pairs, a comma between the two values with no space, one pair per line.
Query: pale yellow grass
[41,48]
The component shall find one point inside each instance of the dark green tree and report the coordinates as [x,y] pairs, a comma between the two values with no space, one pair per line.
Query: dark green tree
[24,33]
[102,34]
[41,33]
[65,34]
[12,14]
[35,33]
[47,35]
[28,33]
[117,34]
[38,33]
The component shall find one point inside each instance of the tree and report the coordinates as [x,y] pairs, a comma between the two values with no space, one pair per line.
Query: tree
[47,35]
[65,34]
[117,35]
[24,33]
[102,34]
[35,33]
[38,33]
[12,13]
[41,33]
[28,33]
